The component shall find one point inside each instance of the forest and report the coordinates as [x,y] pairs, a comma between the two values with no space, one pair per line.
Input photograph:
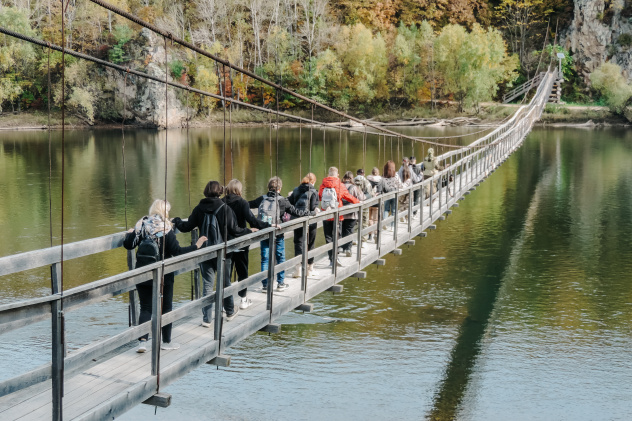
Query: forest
[354,55]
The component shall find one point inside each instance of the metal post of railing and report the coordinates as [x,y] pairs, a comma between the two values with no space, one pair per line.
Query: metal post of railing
[156,319]
[380,217]
[57,342]
[431,188]
[219,292]
[133,294]
[359,240]
[305,242]
[334,266]
[395,217]
[271,270]
[196,272]
[411,194]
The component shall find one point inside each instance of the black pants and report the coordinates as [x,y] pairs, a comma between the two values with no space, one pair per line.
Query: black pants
[145,290]
[240,265]
[328,229]
[298,241]
[347,228]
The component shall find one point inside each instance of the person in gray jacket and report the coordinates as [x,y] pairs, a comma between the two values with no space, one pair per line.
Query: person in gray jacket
[365,187]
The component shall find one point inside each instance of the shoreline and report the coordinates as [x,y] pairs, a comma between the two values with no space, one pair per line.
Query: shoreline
[491,115]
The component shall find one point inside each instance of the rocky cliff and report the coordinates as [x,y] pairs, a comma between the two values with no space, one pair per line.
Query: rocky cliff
[601,31]
[145,99]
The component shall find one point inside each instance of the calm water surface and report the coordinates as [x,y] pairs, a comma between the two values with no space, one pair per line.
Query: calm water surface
[518,307]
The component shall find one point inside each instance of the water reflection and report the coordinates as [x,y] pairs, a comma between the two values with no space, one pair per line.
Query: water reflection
[518,306]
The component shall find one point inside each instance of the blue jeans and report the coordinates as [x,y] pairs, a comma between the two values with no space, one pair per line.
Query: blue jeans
[279,256]
[389,205]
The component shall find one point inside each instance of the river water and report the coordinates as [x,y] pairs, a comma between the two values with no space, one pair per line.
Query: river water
[519,305]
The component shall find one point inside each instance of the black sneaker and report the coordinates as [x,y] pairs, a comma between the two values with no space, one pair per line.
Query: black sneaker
[233,315]
[282,287]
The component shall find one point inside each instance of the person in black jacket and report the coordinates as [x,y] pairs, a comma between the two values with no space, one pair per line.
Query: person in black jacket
[305,198]
[227,223]
[158,226]
[244,215]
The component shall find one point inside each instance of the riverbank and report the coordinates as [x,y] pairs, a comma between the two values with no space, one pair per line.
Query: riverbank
[489,114]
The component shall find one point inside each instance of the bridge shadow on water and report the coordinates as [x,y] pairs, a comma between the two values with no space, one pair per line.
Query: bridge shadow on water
[489,259]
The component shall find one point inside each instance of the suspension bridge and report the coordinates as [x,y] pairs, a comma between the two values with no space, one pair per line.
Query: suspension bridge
[108,377]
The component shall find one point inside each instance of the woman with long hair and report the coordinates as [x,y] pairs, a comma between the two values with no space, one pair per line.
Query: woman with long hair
[156,227]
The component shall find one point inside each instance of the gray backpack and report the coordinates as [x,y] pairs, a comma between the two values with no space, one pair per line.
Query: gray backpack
[269,210]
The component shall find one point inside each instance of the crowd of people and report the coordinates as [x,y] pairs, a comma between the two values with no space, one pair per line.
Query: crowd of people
[223,214]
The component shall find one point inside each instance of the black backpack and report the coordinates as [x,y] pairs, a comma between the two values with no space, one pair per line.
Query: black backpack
[210,228]
[148,251]
[304,201]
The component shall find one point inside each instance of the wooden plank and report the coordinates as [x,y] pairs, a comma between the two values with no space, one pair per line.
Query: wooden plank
[335,288]
[379,262]
[397,252]
[359,274]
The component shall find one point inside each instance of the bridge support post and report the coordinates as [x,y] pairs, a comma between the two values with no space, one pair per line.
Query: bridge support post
[195,293]
[156,319]
[271,271]
[133,294]
[58,348]
[304,261]
[336,228]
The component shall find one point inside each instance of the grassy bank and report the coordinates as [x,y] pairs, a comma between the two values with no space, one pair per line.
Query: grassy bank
[490,113]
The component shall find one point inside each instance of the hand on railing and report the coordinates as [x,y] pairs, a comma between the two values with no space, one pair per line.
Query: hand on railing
[201,242]
[254,229]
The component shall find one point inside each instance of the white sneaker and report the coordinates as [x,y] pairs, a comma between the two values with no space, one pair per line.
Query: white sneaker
[298,272]
[142,346]
[170,346]
[245,303]
[207,324]
[348,253]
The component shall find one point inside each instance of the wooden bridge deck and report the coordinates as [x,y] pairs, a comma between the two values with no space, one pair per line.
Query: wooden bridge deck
[105,379]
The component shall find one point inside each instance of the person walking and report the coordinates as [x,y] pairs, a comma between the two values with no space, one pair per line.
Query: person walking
[390,182]
[417,176]
[430,168]
[350,220]
[244,215]
[331,194]
[305,198]
[271,208]
[374,179]
[365,187]
[212,217]
[154,237]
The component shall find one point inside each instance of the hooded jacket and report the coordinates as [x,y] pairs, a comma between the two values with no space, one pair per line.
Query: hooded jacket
[299,191]
[341,192]
[244,215]
[357,193]
[387,185]
[225,218]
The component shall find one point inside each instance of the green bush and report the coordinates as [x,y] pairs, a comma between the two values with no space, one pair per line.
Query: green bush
[625,40]
[177,69]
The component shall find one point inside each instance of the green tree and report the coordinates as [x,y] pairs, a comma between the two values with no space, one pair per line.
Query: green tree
[17,58]
[609,81]
[472,64]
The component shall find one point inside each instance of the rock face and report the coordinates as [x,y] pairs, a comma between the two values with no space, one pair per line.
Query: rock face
[145,99]
[600,31]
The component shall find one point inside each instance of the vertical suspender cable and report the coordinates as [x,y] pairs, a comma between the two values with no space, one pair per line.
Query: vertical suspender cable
[50,160]
[311,139]
[300,150]
[223,262]
[123,144]
[340,145]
